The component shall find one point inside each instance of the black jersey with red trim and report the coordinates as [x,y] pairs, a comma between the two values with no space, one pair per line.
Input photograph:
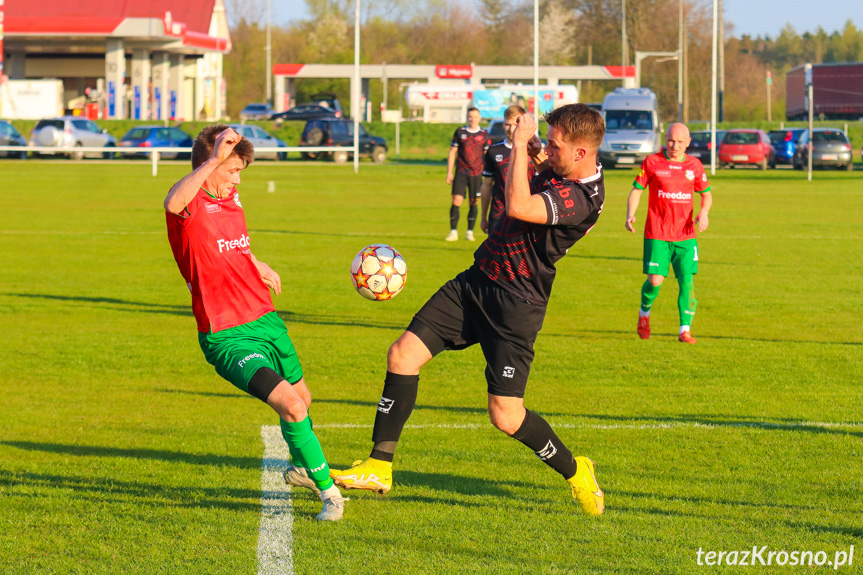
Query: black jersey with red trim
[520,257]
[471,147]
[496,166]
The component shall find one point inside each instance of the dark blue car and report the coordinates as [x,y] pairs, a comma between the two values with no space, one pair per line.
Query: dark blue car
[784,143]
[157,137]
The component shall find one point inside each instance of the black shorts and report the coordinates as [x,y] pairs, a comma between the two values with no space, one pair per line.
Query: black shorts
[471,309]
[464,182]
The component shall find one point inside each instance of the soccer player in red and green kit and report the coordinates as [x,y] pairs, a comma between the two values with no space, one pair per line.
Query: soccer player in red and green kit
[238,328]
[673,179]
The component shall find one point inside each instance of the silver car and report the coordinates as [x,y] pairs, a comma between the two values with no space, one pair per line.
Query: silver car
[70,132]
[261,139]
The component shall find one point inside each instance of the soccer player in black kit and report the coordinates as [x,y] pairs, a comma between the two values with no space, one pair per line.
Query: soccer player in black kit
[500,302]
[464,171]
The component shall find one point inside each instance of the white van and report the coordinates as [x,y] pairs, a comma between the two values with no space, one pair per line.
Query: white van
[631,127]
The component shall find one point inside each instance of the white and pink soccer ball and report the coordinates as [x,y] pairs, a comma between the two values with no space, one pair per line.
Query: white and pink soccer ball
[379,272]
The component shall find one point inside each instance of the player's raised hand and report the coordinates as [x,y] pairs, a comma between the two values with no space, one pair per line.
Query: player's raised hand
[225,143]
[525,129]
[534,146]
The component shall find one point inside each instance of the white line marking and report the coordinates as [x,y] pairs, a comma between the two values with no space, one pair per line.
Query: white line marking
[664,425]
[275,538]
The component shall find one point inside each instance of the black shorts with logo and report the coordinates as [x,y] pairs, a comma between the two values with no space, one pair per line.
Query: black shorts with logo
[464,184]
[471,309]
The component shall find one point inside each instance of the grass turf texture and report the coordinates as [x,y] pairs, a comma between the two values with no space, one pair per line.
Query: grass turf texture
[122,450]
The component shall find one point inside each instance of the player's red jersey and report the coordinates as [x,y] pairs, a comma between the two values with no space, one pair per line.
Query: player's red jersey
[672,186]
[471,147]
[211,247]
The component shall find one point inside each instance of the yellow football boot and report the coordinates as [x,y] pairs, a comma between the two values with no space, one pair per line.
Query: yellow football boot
[585,488]
[372,474]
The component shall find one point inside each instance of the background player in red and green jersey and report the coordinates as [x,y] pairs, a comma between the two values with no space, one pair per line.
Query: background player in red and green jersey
[673,179]
[239,330]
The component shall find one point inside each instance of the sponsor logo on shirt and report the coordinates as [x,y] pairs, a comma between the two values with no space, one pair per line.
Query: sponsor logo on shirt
[243,361]
[498,158]
[463,136]
[228,245]
[663,173]
[674,195]
[673,167]
[211,208]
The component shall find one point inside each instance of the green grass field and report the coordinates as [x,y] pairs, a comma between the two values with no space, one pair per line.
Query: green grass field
[122,451]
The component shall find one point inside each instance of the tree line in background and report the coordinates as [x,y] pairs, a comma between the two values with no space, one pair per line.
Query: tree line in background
[500,32]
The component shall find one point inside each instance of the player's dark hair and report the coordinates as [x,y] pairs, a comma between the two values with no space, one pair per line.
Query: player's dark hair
[202,149]
[472,109]
[578,122]
[514,111]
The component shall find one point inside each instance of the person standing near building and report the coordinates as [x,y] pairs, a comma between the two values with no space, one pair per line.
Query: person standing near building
[669,231]
[464,172]
[239,330]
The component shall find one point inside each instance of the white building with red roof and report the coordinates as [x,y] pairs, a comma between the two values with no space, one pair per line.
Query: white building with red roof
[146,59]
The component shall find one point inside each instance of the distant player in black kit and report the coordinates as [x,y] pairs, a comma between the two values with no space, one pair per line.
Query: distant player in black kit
[464,171]
[500,302]
[495,167]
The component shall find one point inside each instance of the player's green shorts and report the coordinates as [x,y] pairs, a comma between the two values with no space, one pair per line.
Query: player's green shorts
[659,254]
[238,352]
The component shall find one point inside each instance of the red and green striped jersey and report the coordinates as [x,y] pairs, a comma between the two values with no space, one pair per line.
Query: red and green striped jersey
[672,187]
[211,247]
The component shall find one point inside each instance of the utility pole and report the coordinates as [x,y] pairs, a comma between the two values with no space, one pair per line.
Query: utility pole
[269,54]
[624,53]
[769,82]
[680,42]
[721,48]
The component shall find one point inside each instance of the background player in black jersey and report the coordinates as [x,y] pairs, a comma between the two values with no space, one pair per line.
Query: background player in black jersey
[464,171]
[500,302]
[495,167]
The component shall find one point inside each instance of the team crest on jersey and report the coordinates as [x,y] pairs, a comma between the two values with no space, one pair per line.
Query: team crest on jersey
[690,175]
[463,136]
[498,158]
[237,199]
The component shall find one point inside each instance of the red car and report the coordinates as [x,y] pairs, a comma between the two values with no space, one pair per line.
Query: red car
[747,147]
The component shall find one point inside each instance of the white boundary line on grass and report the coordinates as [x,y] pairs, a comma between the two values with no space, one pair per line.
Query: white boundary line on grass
[275,536]
[666,425]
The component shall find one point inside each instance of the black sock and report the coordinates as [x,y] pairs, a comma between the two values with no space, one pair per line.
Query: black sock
[471,216]
[397,403]
[536,433]
[453,217]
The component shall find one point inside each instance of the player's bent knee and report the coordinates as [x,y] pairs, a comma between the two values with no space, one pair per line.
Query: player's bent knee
[655,280]
[506,422]
[407,355]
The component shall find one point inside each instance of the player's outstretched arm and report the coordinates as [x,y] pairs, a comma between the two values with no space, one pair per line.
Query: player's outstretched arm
[519,203]
[183,191]
[702,220]
[268,275]
[631,208]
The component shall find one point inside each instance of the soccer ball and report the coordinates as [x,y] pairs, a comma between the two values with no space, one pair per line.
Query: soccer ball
[379,272]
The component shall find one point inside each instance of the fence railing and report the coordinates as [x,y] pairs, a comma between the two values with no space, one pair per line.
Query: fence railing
[156,153]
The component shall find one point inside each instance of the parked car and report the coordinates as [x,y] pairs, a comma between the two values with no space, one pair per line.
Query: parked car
[496,131]
[261,139]
[9,136]
[340,132]
[830,147]
[700,145]
[305,112]
[157,137]
[784,144]
[746,147]
[328,100]
[256,112]
[69,132]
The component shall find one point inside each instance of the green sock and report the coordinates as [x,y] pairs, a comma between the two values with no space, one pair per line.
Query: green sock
[686,302]
[306,451]
[648,294]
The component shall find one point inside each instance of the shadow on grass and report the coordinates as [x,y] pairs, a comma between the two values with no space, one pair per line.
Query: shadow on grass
[449,408]
[238,395]
[630,334]
[754,422]
[112,489]
[453,483]
[319,319]
[138,453]
[184,310]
